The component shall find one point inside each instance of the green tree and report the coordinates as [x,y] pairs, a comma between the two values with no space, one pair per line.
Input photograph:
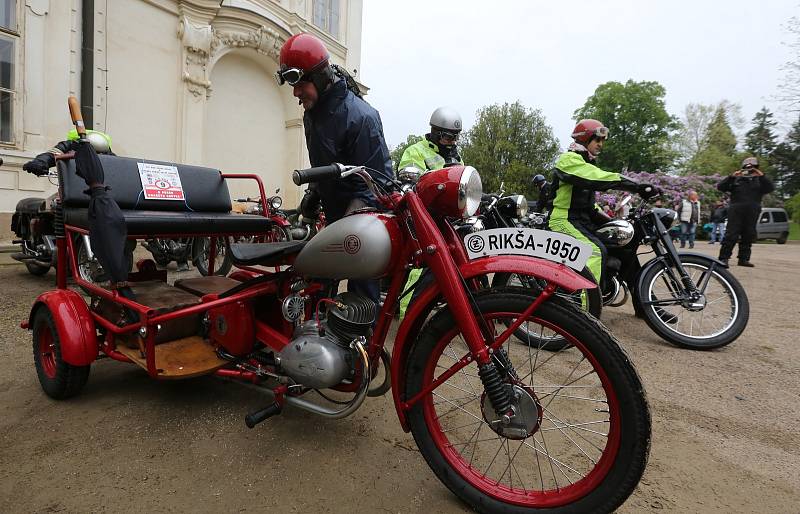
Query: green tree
[760,140]
[786,163]
[638,122]
[717,153]
[397,152]
[692,140]
[510,143]
[790,88]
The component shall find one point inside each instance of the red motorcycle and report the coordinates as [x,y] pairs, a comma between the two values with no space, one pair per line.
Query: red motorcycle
[505,426]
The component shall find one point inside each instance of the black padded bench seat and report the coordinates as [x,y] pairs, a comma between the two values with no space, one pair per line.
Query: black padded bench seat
[266,254]
[206,209]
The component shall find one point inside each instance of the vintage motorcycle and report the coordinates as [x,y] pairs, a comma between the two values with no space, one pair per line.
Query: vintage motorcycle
[688,299]
[505,427]
[33,222]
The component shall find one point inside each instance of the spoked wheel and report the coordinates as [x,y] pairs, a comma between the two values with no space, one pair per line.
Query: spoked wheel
[58,379]
[590,300]
[88,268]
[222,259]
[717,318]
[581,436]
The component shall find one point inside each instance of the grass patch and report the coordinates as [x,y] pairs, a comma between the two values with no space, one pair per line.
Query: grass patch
[794,231]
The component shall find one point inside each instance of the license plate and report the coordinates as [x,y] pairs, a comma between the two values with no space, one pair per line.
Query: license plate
[553,246]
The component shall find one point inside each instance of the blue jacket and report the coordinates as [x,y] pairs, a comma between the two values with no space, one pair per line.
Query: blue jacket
[343,128]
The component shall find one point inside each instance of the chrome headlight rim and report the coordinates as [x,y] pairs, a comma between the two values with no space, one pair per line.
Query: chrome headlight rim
[521,206]
[275,202]
[470,190]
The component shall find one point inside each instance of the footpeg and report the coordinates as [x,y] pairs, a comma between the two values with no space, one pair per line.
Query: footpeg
[254,418]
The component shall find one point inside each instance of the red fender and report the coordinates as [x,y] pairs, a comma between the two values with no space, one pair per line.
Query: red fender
[75,325]
[559,274]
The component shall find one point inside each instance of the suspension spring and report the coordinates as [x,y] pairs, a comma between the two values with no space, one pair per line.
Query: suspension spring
[495,388]
[58,212]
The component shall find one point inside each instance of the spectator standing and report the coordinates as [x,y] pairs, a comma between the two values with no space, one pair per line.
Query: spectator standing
[689,214]
[746,186]
[719,215]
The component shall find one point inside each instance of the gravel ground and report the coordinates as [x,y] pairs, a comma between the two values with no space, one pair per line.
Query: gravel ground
[724,428]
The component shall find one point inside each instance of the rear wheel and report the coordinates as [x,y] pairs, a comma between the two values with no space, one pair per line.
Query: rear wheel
[58,379]
[590,300]
[583,433]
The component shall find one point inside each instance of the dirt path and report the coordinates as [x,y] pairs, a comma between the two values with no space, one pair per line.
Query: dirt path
[724,428]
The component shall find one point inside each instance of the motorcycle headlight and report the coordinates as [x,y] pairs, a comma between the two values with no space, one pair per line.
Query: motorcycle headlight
[470,190]
[454,192]
[276,202]
[522,206]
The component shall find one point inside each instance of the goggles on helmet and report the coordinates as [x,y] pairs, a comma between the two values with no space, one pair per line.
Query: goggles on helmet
[600,133]
[446,136]
[289,76]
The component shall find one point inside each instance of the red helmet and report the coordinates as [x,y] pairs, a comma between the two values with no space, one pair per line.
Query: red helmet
[301,55]
[585,130]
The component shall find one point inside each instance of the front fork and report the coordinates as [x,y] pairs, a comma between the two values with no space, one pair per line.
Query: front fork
[436,253]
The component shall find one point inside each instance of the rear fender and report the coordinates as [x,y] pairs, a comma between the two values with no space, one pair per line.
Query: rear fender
[559,274]
[74,323]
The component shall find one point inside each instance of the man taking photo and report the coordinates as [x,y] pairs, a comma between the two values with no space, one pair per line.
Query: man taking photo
[746,187]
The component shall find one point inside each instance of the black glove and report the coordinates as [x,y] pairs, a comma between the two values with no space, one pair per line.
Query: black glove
[41,164]
[648,190]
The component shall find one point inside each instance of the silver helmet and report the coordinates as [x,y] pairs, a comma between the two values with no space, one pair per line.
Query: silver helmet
[447,119]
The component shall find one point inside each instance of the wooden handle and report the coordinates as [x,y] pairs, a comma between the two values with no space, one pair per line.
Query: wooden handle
[75,114]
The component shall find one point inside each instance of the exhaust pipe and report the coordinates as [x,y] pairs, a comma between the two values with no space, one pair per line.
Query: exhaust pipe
[19,256]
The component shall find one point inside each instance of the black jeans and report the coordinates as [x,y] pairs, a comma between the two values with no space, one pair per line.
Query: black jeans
[742,220]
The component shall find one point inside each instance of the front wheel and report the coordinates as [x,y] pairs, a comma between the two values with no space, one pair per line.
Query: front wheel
[717,318]
[58,379]
[582,433]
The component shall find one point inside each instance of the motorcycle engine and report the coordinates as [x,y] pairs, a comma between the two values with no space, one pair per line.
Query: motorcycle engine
[319,356]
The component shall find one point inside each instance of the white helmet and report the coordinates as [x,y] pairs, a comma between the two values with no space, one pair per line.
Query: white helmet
[99,142]
[446,119]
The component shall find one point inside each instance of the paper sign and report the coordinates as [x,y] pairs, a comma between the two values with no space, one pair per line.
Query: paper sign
[160,182]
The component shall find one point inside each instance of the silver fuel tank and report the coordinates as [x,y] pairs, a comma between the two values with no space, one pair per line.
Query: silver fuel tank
[357,246]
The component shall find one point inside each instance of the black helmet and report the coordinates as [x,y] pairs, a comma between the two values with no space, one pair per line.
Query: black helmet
[538,179]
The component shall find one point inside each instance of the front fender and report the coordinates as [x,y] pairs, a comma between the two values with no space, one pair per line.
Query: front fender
[74,322]
[559,274]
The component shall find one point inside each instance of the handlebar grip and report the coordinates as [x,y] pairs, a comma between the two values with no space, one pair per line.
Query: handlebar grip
[300,177]
[75,114]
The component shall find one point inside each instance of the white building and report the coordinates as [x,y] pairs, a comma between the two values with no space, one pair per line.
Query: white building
[175,80]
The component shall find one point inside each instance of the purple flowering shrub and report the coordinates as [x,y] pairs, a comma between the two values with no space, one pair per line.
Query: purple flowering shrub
[674,188]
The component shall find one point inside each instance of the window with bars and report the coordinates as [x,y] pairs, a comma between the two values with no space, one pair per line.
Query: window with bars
[326,16]
[9,38]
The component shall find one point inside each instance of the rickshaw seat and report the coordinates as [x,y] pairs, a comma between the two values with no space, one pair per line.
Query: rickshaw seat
[205,210]
[265,254]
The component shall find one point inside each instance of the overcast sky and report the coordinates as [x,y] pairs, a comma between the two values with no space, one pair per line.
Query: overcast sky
[417,55]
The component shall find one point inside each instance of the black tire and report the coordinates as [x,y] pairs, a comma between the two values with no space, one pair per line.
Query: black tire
[58,379]
[200,256]
[624,466]
[667,321]
[36,269]
[594,304]
[784,237]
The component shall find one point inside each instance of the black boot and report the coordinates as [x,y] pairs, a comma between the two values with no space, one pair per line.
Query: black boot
[747,264]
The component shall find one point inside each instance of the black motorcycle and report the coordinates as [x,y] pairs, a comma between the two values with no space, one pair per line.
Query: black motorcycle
[689,299]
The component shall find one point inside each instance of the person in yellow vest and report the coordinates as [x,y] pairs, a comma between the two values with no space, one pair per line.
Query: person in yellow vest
[437,150]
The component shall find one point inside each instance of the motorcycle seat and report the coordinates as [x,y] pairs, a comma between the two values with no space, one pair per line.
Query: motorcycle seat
[265,254]
[206,208]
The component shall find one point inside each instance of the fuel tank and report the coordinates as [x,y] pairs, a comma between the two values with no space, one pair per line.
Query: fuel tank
[357,246]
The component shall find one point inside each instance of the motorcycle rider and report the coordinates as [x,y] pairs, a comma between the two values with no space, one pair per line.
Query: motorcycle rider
[438,148]
[575,180]
[339,127]
[746,187]
[543,205]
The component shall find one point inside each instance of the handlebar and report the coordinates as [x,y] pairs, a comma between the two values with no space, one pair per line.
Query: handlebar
[300,177]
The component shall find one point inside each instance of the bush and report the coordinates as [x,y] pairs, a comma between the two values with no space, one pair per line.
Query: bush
[792,206]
